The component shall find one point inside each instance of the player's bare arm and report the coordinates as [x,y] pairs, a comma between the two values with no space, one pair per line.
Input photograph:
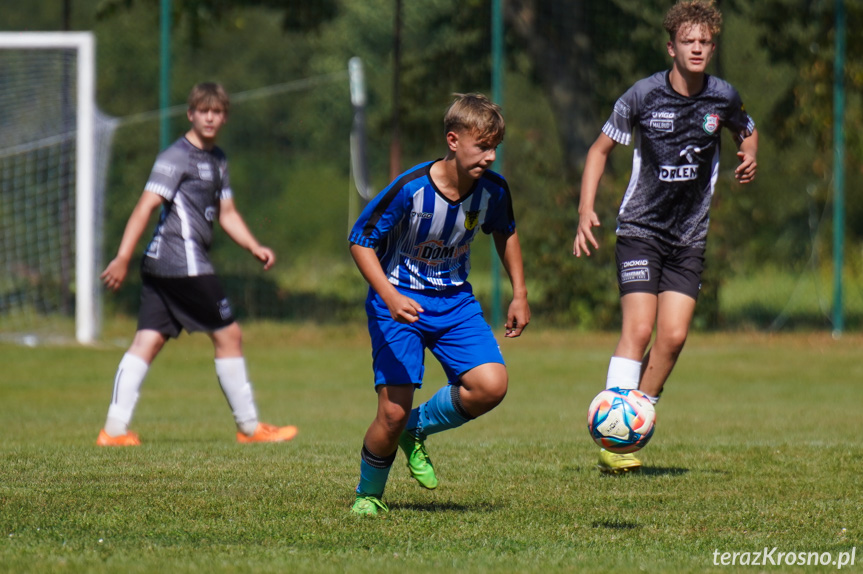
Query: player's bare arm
[234,225]
[746,153]
[518,315]
[115,273]
[402,308]
[594,167]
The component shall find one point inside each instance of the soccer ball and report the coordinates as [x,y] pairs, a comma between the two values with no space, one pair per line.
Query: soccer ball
[621,420]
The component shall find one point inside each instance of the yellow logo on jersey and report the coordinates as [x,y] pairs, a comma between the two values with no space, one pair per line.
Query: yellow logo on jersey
[471,218]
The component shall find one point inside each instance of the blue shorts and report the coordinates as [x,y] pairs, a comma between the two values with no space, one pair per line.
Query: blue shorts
[452,327]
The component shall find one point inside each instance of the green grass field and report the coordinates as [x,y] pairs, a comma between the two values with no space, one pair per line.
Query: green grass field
[757,445]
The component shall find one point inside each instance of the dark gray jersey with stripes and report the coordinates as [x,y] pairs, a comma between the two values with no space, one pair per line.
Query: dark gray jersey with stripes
[191,182]
[676,157]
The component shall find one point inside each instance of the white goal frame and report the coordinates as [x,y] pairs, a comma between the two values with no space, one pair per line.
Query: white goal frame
[86,292]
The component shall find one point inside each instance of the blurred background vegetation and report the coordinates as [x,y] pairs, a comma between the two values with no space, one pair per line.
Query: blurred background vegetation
[285,62]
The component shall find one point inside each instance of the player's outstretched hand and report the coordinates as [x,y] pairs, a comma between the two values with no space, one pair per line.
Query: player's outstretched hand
[584,235]
[517,318]
[265,255]
[745,172]
[403,309]
[115,273]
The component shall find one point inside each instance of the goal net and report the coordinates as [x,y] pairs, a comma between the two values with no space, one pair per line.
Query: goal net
[53,145]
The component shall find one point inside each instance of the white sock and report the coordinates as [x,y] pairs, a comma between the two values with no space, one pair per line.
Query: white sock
[238,391]
[127,384]
[653,400]
[623,373]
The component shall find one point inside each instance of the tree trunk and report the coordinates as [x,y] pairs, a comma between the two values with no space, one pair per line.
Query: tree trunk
[556,37]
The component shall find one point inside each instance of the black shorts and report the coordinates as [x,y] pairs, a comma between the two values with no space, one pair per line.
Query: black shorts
[171,304]
[652,266]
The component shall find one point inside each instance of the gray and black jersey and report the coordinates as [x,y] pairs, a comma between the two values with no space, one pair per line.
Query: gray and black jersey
[192,182]
[675,162]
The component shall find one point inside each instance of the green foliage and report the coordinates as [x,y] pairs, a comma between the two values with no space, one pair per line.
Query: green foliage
[786,26]
[199,16]
[741,459]
[802,35]
[631,49]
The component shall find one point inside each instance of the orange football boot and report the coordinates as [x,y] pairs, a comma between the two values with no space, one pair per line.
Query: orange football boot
[268,433]
[128,439]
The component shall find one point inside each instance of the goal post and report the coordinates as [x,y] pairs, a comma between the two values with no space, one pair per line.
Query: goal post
[86,225]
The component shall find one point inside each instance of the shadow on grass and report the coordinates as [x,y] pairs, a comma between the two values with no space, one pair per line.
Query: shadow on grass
[663,471]
[650,471]
[714,471]
[444,507]
[615,524]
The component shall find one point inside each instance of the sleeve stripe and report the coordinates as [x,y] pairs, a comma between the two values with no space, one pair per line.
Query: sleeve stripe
[745,133]
[360,239]
[160,189]
[620,137]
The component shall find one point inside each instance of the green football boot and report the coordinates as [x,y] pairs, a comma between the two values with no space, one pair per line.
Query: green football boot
[613,463]
[419,463]
[368,505]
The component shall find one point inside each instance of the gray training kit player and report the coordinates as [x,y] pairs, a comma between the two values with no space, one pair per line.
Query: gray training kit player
[676,157]
[193,182]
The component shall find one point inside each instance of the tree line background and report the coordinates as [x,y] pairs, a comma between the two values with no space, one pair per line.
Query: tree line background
[285,61]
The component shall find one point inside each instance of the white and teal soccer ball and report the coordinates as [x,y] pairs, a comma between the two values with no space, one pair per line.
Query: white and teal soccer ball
[621,420]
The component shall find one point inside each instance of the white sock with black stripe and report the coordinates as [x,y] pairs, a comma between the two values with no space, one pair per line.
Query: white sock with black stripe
[127,384]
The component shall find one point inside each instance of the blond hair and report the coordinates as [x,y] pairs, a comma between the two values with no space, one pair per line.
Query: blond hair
[477,115]
[208,95]
[693,13]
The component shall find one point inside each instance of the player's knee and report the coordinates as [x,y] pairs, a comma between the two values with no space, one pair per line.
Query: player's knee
[393,418]
[492,390]
[673,339]
[640,333]
[484,388]
[233,334]
[497,390]
[228,341]
[147,344]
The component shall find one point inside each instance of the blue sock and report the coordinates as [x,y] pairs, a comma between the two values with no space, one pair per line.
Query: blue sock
[374,471]
[443,411]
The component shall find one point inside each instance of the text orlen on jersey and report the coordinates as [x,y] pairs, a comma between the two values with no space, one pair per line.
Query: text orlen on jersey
[678,172]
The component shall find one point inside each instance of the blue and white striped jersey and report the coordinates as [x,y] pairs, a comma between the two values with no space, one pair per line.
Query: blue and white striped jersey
[675,163]
[421,238]
[192,182]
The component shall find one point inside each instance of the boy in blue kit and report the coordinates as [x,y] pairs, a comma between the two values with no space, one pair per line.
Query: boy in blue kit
[412,245]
